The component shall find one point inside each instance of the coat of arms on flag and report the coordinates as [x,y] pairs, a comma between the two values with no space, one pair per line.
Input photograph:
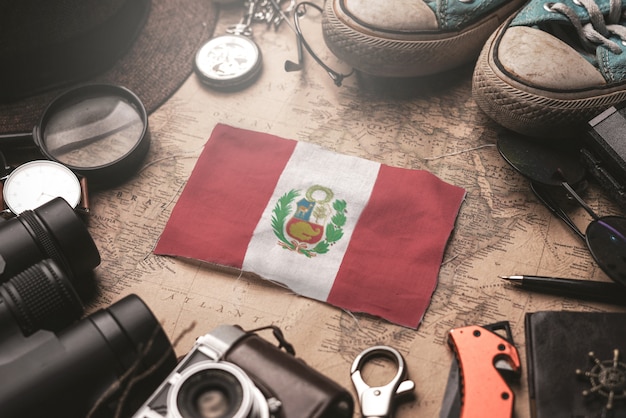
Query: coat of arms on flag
[316,223]
[354,233]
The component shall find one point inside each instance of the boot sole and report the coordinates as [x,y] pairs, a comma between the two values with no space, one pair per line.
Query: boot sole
[531,110]
[399,54]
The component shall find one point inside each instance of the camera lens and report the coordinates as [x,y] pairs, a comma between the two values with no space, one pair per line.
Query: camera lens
[41,297]
[217,390]
[53,231]
[212,403]
[210,393]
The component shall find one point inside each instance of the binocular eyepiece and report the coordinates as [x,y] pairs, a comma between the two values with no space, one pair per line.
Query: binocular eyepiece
[52,231]
[40,297]
[46,261]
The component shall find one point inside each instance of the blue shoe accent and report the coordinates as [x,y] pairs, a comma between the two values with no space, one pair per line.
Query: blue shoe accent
[554,66]
[407,38]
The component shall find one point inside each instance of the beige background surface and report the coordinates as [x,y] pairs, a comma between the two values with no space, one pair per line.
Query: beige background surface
[430,124]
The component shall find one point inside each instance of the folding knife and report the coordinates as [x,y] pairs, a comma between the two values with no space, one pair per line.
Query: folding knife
[484,362]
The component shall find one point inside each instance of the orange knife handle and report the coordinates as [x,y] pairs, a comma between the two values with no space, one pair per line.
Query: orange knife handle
[484,391]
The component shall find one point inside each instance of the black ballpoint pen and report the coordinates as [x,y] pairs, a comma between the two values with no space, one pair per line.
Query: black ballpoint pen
[581,289]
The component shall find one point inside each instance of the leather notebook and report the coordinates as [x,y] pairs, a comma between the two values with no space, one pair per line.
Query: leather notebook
[576,364]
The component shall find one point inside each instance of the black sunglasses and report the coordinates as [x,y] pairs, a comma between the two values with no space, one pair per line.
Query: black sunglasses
[555,175]
[299,12]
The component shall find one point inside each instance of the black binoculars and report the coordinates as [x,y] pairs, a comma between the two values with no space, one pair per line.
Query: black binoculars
[52,231]
[52,363]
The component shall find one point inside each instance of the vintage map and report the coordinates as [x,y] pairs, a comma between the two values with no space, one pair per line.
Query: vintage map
[430,124]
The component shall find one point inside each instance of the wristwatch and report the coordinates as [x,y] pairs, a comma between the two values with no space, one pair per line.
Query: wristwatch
[34,183]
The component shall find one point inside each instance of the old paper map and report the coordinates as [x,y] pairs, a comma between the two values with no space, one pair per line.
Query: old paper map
[430,124]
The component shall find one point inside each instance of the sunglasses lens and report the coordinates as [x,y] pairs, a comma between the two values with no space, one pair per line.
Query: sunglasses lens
[540,163]
[606,238]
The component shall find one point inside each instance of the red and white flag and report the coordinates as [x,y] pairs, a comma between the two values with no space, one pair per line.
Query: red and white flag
[357,234]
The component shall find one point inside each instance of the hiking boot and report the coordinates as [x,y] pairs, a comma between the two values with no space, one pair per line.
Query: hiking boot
[553,66]
[408,38]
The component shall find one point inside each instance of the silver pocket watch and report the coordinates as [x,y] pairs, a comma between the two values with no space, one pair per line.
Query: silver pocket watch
[231,61]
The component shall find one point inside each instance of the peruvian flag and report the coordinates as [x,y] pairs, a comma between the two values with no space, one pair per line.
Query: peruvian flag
[357,234]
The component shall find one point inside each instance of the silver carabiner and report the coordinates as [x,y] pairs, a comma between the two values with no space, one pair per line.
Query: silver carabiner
[377,402]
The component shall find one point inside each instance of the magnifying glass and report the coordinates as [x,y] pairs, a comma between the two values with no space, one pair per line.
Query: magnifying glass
[99,131]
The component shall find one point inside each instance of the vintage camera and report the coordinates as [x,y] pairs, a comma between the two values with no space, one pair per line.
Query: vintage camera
[52,365]
[232,373]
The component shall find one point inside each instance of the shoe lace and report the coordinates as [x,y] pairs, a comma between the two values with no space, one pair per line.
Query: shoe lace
[597,31]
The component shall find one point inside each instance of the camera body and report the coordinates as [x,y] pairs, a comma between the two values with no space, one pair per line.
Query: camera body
[232,373]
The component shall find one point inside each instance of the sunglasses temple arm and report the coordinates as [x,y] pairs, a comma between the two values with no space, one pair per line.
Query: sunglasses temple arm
[334,75]
[557,211]
[300,11]
[580,201]
[292,66]
[19,140]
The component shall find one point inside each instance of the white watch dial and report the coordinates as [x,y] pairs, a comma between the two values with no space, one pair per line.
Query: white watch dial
[37,182]
[228,61]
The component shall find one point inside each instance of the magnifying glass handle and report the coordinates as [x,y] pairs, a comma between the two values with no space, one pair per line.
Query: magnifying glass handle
[20,140]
